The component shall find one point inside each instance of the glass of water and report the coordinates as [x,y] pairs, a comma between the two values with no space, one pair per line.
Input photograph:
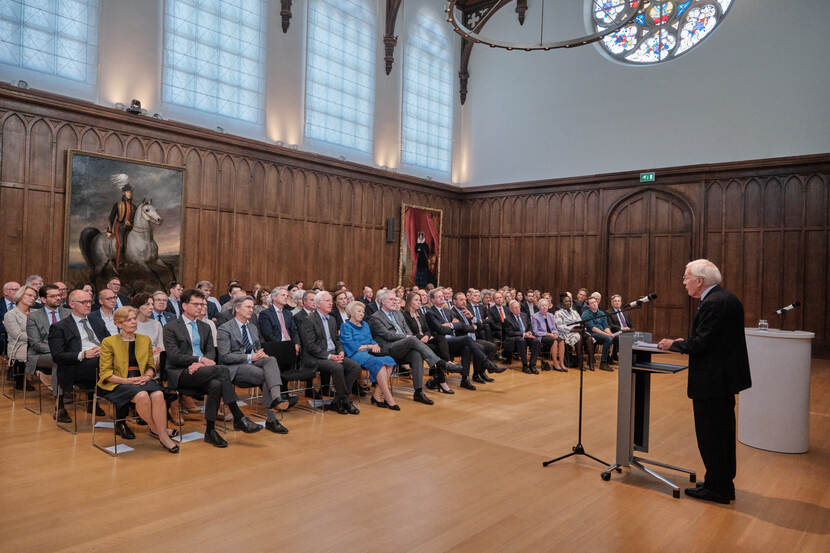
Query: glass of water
[763,324]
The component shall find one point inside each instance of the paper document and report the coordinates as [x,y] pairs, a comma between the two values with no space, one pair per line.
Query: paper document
[645,345]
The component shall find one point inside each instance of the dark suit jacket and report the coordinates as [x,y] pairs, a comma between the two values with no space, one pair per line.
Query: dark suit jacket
[413,326]
[718,361]
[372,308]
[65,341]
[614,320]
[269,324]
[96,321]
[483,312]
[436,321]
[465,324]
[168,316]
[495,319]
[2,328]
[511,324]
[526,309]
[313,337]
[179,348]
[171,309]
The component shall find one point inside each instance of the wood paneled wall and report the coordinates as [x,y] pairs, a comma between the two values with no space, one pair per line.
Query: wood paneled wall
[262,213]
[765,224]
[253,211]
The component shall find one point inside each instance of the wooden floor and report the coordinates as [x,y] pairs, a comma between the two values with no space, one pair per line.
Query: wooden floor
[463,475]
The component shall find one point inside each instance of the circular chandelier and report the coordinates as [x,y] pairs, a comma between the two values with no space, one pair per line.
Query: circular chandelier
[625,10]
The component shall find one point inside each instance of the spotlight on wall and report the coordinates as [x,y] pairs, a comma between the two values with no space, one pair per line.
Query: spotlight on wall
[280,143]
[157,116]
[135,107]
[342,158]
[220,129]
[22,84]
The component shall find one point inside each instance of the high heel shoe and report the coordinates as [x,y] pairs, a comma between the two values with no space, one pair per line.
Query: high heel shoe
[381,404]
[395,407]
[174,449]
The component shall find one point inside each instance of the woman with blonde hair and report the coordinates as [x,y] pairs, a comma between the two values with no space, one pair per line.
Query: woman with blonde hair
[17,341]
[125,375]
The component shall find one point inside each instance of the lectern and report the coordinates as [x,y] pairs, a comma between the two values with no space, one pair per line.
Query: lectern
[633,398]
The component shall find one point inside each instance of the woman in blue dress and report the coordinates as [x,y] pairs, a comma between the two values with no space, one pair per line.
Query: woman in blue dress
[358,343]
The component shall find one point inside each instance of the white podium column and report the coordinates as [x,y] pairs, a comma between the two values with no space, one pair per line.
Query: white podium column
[774,414]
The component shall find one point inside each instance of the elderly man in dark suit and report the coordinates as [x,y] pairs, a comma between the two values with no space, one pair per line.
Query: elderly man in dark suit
[323,351]
[718,369]
[248,365]
[191,363]
[396,340]
[39,358]
[518,336]
[75,348]
[617,320]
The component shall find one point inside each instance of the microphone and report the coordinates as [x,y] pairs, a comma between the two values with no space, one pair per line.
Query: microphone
[783,310]
[641,301]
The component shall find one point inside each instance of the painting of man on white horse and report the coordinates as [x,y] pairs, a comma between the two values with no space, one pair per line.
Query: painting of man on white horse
[112,235]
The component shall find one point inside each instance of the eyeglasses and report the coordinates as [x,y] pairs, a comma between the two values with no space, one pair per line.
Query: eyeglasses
[198,304]
[82,302]
[106,298]
[689,277]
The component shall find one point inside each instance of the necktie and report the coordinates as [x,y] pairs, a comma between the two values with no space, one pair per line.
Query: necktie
[521,326]
[160,319]
[284,332]
[547,326]
[501,313]
[327,330]
[395,324]
[89,333]
[196,339]
[246,341]
[622,320]
[54,318]
[443,315]
[475,310]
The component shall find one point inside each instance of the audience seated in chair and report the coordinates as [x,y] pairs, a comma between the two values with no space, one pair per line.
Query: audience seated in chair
[148,326]
[597,324]
[519,337]
[361,348]
[16,322]
[240,350]
[191,364]
[617,320]
[40,359]
[75,348]
[125,375]
[415,318]
[550,336]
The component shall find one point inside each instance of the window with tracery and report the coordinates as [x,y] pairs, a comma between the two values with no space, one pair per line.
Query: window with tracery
[665,29]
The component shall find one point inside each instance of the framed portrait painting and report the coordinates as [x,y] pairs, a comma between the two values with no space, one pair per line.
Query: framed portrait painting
[123,218]
[420,258]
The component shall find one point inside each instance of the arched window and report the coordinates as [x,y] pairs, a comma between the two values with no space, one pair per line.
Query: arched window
[426,139]
[57,37]
[214,52]
[666,28]
[340,73]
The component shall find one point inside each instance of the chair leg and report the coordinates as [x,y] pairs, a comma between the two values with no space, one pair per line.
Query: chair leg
[40,398]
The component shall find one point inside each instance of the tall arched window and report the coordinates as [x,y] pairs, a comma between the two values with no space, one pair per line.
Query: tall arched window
[666,28]
[340,73]
[57,37]
[426,138]
[214,53]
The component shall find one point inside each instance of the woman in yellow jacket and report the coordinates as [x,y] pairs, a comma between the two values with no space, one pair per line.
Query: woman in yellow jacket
[126,373]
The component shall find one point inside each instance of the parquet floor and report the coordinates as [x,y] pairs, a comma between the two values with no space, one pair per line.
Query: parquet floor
[464,475]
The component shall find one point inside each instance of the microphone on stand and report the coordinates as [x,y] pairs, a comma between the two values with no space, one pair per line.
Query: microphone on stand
[641,301]
[790,307]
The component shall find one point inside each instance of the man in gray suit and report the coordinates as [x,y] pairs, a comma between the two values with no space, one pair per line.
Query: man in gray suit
[39,359]
[396,340]
[248,365]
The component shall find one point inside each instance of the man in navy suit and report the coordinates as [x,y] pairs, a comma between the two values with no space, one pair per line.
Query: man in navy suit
[75,348]
[160,312]
[101,320]
[618,320]
[174,299]
[718,369]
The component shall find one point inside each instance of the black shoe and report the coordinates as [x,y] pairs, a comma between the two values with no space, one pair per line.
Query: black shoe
[246,425]
[140,422]
[395,407]
[98,411]
[62,416]
[605,367]
[213,437]
[421,397]
[292,401]
[703,485]
[534,370]
[381,404]
[432,384]
[124,431]
[546,366]
[477,378]
[275,427]
[486,378]
[526,370]
[503,359]
[448,367]
[467,385]
[174,449]
[351,409]
[448,391]
[562,370]
[493,368]
[707,495]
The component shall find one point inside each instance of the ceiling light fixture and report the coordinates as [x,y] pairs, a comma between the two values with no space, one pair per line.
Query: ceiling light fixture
[455,16]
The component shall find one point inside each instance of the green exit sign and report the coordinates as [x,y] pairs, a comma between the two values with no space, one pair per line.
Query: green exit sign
[647,177]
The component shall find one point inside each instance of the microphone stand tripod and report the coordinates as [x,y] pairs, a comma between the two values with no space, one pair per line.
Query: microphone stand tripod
[579,449]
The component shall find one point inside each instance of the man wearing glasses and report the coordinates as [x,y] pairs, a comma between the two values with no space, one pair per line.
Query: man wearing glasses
[191,364]
[102,320]
[75,347]
[39,359]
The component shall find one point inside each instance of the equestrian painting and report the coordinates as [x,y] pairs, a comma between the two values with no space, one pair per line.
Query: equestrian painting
[124,218]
